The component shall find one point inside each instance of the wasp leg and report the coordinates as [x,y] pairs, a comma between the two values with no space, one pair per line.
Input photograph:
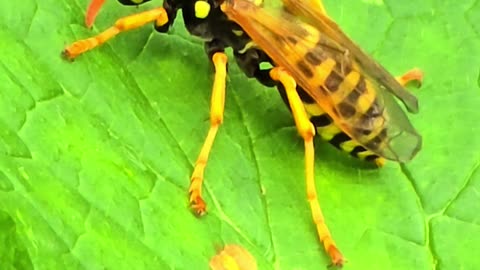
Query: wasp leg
[92,11]
[219,60]
[159,15]
[413,75]
[307,131]
[320,6]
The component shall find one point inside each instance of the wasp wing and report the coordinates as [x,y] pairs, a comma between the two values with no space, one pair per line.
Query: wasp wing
[381,126]
[314,13]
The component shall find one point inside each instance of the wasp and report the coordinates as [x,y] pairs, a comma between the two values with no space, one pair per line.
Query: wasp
[329,84]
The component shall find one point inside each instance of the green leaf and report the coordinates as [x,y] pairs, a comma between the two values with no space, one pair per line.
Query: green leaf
[96,155]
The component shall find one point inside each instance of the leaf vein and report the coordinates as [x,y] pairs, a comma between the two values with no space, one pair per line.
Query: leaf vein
[257,168]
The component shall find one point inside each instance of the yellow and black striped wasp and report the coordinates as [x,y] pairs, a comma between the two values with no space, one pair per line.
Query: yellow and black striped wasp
[329,84]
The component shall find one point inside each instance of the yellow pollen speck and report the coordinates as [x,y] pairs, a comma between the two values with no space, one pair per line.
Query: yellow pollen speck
[202,9]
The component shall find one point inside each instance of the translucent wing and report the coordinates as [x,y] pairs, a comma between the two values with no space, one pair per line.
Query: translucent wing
[327,71]
[314,13]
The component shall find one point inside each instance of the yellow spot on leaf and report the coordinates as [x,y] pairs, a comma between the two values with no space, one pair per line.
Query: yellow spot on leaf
[233,257]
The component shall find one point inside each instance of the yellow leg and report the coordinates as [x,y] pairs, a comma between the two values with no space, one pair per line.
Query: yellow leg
[307,131]
[319,5]
[159,15]
[92,11]
[413,75]
[216,118]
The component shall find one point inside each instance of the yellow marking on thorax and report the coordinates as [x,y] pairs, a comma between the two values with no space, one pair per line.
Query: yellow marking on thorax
[202,9]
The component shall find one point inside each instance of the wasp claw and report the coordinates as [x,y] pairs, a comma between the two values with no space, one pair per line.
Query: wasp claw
[198,206]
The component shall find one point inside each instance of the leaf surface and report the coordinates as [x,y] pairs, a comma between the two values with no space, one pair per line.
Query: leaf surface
[96,155]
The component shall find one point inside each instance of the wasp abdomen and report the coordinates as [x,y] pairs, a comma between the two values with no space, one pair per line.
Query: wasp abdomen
[329,132]
[354,100]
